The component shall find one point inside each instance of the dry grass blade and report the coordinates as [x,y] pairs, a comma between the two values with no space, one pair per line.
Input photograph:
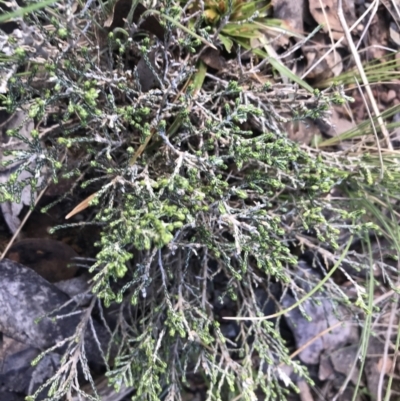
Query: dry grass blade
[338,43]
[23,222]
[197,81]
[318,287]
[195,179]
[180,26]
[82,206]
[364,78]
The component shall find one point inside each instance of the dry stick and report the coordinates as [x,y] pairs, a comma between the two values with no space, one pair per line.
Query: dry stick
[329,28]
[28,214]
[306,297]
[375,303]
[368,23]
[383,129]
[337,43]
[388,294]
[378,145]
[362,74]
[309,342]
[386,350]
[394,360]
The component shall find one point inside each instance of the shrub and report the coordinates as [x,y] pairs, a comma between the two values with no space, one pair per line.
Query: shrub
[199,194]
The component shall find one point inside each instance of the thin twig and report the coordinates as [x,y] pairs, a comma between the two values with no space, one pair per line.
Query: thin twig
[337,44]
[28,214]
[363,76]
[12,240]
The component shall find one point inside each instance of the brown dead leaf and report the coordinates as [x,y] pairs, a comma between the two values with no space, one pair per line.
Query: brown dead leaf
[305,391]
[291,12]
[302,131]
[372,366]
[213,59]
[291,15]
[49,258]
[15,368]
[9,347]
[383,366]
[331,65]
[325,371]
[325,13]
[378,37]
[338,124]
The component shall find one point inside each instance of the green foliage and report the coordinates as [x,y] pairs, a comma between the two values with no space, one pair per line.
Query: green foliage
[218,181]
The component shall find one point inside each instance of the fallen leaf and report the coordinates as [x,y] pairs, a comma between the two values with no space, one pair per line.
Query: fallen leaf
[305,391]
[302,131]
[49,258]
[337,124]
[331,65]
[325,13]
[325,371]
[291,12]
[378,34]
[213,59]
[383,366]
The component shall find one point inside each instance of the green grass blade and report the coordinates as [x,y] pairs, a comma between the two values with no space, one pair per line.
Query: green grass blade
[363,129]
[179,25]
[278,66]
[26,10]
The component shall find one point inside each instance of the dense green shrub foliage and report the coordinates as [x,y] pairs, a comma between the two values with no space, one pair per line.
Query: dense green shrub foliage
[199,195]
